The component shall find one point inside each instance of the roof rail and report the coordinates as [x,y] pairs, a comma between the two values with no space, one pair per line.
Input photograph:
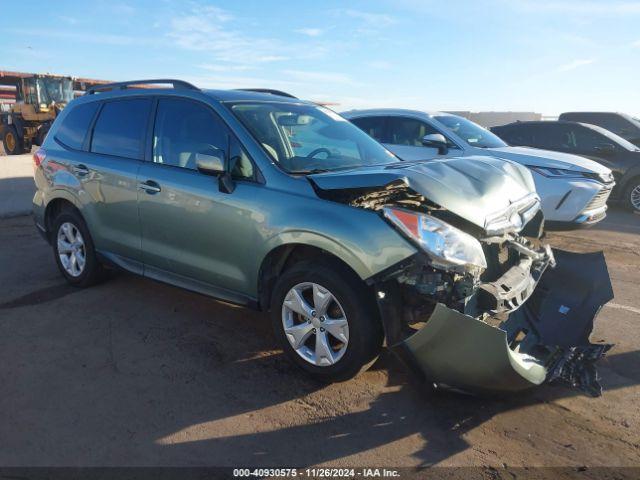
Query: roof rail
[177,84]
[280,93]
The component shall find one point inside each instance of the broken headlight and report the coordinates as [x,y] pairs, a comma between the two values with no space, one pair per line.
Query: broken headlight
[446,245]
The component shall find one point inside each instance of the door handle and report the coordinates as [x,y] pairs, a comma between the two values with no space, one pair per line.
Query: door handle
[150,187]
[80,170]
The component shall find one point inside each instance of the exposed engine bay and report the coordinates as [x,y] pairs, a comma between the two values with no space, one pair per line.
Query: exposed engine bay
[498,311]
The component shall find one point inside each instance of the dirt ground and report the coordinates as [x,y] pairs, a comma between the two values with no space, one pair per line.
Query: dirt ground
[134,372]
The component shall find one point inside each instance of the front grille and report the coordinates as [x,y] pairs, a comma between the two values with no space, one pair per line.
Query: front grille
[599,200]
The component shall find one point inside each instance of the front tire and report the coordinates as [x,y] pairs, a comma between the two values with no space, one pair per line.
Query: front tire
[632,195]
[11,142]
[325,319]
[74,251]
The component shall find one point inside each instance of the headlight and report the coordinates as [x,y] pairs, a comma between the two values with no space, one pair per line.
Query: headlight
[446,245]
[559,172]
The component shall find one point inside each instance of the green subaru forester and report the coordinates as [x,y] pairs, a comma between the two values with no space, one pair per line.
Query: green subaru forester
[263,200]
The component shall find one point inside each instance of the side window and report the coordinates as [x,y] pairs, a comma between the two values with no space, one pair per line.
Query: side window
[73,129]
[372,126]
[553,137]
[586,140]
[516,136]
[615,123]
[183,129]
[408,131]
[121,127]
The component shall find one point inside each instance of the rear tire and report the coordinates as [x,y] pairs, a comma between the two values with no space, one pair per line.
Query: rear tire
[632,195]
[11,142]
[350,301]
[74,250]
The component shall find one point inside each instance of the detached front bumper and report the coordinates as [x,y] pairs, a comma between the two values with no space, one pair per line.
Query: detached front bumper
[545,340]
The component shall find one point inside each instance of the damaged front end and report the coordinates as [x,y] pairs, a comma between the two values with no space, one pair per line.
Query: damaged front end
[543,338]
[484,306]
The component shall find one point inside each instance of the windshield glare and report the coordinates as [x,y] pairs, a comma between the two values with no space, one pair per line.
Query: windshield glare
[307,138]
[473,134]
[58,90]
[627,145]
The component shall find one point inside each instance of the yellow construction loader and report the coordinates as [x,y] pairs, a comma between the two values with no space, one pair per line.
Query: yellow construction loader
[38,100]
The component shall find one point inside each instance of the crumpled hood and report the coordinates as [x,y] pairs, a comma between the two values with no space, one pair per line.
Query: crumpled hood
[473,187]
[548,159]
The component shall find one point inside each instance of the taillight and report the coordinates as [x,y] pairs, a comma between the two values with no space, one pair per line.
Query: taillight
[39,157]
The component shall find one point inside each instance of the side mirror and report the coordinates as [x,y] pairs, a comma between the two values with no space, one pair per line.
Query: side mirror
[606,148]
[436,140]
[211,162]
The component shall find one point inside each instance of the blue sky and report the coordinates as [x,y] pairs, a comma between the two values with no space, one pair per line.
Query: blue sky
[541,55]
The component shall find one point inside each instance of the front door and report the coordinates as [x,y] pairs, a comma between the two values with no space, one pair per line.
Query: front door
[405,138]
[194,235]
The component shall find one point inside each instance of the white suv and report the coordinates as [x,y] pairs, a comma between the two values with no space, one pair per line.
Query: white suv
[574,190]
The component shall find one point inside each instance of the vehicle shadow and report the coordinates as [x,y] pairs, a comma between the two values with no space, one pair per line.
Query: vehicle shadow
[166,377]
[440,419]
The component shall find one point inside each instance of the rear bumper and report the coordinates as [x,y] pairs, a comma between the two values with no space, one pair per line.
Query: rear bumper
[37,212]
[545,340]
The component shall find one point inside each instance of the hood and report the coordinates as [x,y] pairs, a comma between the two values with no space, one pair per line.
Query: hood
[473,187]
[548,159]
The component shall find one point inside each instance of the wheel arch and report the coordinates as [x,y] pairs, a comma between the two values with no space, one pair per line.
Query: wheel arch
[283,256]
[54,207]
[630,177]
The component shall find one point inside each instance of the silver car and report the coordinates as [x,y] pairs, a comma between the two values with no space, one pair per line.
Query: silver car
[574,190]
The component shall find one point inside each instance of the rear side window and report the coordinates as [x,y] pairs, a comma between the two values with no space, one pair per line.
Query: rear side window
[372,126]
[121,127]
[73,129]
[515,135]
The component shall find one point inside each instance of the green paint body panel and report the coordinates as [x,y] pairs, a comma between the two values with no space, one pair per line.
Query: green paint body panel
[192,230]
[461,351]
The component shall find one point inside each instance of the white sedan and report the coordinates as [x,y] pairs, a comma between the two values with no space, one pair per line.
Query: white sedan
[574,190]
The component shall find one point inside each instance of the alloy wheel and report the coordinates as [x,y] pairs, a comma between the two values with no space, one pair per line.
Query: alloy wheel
[635,197]
[315,324]
[71,249]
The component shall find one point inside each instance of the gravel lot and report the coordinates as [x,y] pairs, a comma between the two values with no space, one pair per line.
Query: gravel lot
[133,372]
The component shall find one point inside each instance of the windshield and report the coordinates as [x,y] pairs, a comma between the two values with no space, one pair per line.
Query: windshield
[635,121]
[309,139]
[627,145]
[58,90]
[470,132]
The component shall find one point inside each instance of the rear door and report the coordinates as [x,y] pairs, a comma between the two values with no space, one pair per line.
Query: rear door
[107,174]
[194,235]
